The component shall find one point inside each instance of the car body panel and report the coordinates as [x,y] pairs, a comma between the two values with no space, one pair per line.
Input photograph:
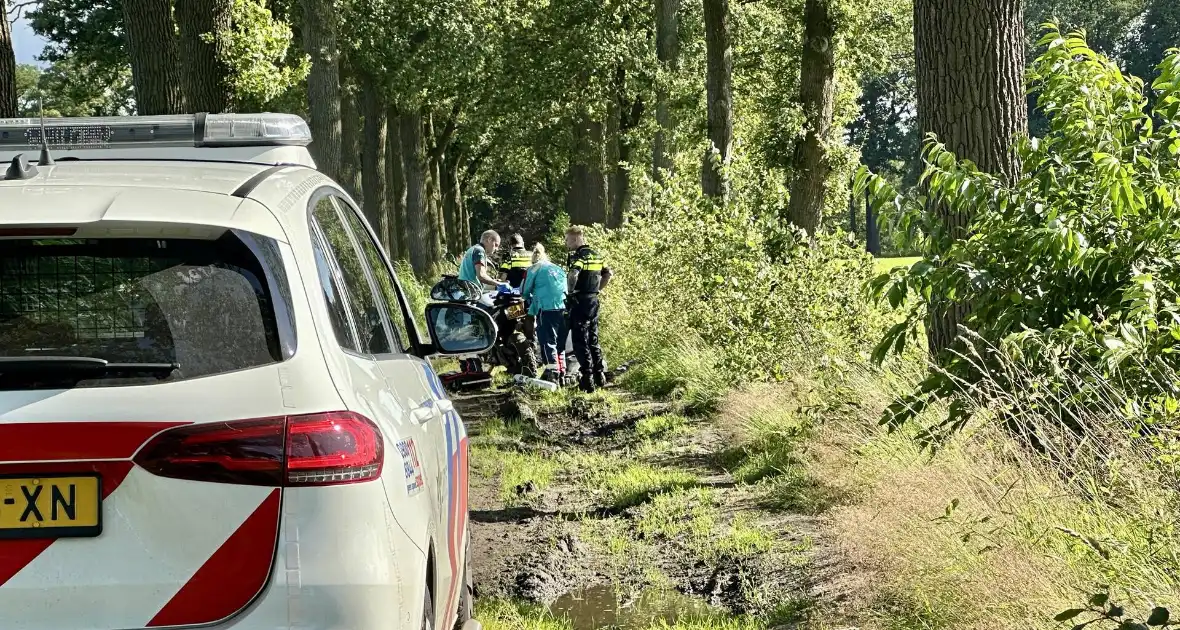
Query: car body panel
[341,557]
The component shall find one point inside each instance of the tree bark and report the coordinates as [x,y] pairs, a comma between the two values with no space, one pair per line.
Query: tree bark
[351,132]
[719,96]
[155,60]
[969,57]
[323,85]
[7,67]
[587,201]
[817,95]
[204,28]
[452,196]
[422,238]
[373,180]
[630,113]
[396,185]
[438,223]
[668,53]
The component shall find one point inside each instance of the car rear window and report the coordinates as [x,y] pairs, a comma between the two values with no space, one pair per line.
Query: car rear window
[206,306]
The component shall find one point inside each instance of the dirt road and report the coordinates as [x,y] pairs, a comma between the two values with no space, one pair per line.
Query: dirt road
[574,497]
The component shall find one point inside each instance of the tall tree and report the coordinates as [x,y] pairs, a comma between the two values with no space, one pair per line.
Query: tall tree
[587,199]
[373,173]
[628,112]
[155,61]
[351,127]
[7,67]
[719,95]
[817,95]
[204,42]
[969,56]
[323,84]
[395,185]
[668,54]
[424,248]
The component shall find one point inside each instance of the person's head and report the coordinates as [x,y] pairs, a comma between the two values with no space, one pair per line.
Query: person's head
[575,237]
[516,241]
[490,240]
[539,255]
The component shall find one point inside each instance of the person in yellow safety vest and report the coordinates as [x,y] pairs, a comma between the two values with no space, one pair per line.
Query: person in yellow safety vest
[516,264]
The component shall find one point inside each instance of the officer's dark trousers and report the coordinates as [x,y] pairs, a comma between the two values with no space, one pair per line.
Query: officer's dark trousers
[584,328]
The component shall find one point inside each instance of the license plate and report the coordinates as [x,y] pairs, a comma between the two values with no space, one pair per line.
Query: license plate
[50,506]
[516,311]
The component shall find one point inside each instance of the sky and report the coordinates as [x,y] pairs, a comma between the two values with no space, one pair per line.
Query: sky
[27,44]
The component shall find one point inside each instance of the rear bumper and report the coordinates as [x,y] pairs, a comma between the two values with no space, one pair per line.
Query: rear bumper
[342,563]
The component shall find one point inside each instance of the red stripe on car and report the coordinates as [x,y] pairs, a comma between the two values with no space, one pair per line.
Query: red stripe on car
[17,554]
[56,441]
[232,576]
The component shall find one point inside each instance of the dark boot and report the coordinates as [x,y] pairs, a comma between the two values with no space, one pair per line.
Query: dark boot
[600,379]
[586,384]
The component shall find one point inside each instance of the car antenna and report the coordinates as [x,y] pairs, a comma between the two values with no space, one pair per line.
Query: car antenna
[46,159]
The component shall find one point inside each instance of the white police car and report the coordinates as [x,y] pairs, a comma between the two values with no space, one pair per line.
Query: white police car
[214,405]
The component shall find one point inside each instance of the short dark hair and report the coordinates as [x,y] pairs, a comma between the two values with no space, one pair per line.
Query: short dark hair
[516,241]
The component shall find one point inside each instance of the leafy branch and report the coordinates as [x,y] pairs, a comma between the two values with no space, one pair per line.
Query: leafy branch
[1110,616]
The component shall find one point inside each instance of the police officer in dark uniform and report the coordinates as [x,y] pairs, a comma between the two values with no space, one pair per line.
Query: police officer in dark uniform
[516,264]
[587,276]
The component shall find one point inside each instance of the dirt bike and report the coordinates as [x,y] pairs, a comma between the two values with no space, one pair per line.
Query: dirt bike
[513,349]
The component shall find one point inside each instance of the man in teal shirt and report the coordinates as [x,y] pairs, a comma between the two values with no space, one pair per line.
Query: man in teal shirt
[544,289]
[476,266]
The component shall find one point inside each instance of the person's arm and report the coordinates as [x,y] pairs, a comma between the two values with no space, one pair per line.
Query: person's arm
[606,276]
[481,270]
[526,289]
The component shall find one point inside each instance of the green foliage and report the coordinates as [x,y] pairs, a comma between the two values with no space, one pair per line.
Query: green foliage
[731,286]
[1104,615]
[73,87]
[1072,268]
[258,51]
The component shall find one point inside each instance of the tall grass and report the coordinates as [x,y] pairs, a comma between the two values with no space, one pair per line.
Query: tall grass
[987,531]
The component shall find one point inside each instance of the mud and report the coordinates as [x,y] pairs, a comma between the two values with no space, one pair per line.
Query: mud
[542,551]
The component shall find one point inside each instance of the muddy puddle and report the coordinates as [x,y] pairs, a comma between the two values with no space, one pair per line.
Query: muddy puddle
[600,607]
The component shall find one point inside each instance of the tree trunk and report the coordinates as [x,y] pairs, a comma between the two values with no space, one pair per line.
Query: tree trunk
[373,180]
[396,186]
[817,95]
[719,95]
[155,61]
[323,84]
[204,46]
[438,224]
[452,194]
[629,113]
[351,131]
[422,238]
[969,57]
[668,53]
[586,202]
[7,67]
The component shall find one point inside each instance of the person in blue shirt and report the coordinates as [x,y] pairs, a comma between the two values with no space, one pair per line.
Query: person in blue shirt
[544,290]
[476,265]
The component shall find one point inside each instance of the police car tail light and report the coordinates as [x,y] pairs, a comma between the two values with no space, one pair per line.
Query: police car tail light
[332,448]
[312,450]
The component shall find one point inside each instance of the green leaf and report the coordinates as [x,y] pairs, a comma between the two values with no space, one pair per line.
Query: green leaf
[1159,616]
[1099,599]
[1066,615]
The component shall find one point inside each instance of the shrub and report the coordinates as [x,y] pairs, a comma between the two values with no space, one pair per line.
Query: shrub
[1072,268]
[731,278]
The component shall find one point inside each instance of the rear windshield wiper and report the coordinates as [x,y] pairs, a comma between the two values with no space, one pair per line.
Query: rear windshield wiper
[67,364]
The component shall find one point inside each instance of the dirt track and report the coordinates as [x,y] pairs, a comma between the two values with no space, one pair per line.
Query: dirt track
[615,503]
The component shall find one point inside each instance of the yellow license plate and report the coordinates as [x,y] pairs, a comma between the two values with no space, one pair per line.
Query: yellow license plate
[516,311]
[50,506]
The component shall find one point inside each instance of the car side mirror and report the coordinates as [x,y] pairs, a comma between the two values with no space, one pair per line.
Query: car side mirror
[460,328]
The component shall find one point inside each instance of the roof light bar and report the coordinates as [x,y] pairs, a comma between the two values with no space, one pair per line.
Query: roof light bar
[189,130]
